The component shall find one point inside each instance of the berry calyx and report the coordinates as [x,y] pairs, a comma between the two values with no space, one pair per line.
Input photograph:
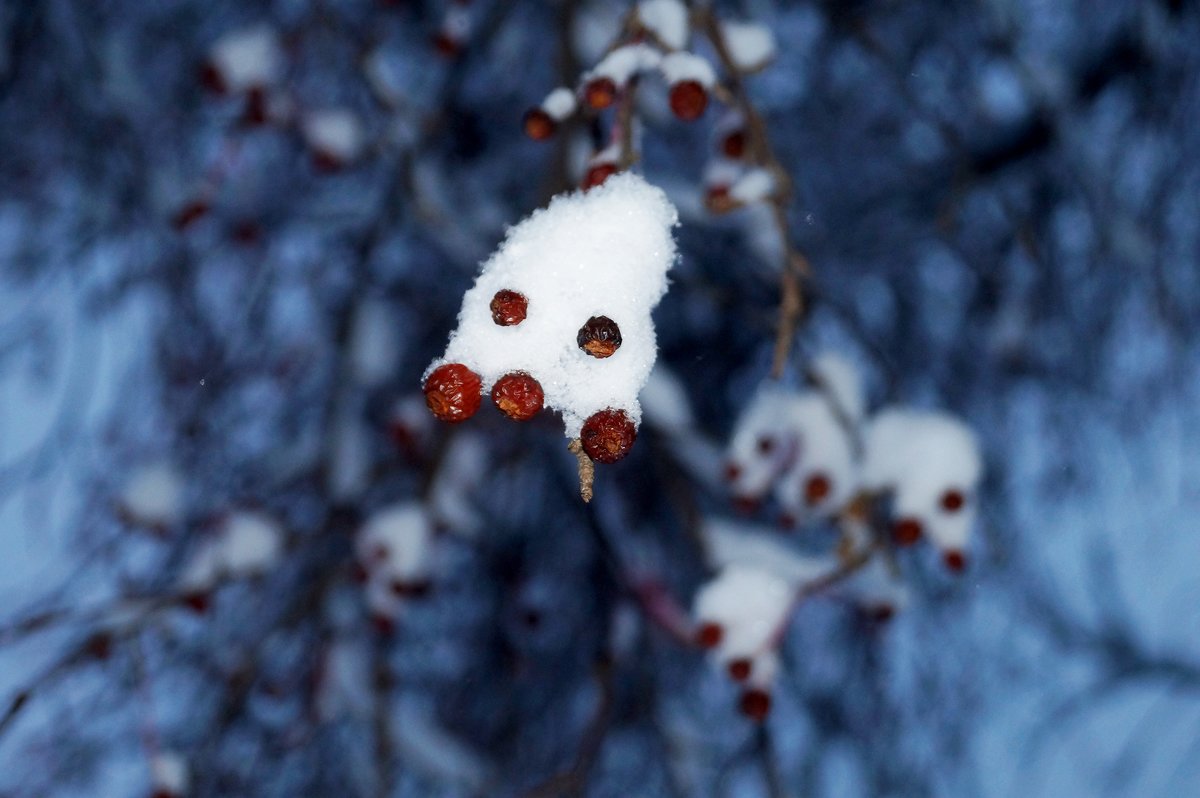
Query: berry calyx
[597,174]
[607,436]
[709,635]
[688,100]
[600,93]
[734,145]
[509,308]
[739,669]
[954,560]
[953,501]
[453,392]
[518,396]
[599,337]
[538,124]
[817,489]
[755,704]
[906,531]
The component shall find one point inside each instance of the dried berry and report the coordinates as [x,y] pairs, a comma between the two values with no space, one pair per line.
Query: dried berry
[755,704]
[817,489]
[509,308]
[599,337]
[538,124]
[600,93]
[739,669]
[953,501]
[688,100]
[734,145]
[608,435]
[906,531]
[518,395]
[452,392]
[955,560]
[597,174]
[709,635]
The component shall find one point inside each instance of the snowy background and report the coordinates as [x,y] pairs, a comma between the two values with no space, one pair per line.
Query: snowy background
[216,310]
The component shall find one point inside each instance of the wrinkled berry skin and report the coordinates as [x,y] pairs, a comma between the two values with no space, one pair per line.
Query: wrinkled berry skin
[599,337]
[509,308]
[518,396]
[608,435]
[452,392]
[538,124]
[597,174]
[688,100]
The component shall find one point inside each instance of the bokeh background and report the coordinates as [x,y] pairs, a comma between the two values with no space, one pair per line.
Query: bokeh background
[1000,200]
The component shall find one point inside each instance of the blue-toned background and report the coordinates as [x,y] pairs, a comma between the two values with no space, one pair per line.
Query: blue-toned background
[1000,200]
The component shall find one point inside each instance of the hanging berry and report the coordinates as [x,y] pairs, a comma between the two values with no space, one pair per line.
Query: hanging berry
[518,396]
[452,392]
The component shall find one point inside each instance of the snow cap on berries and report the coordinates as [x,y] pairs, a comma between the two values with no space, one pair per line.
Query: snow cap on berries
[761,447]
[679,67]
[597,255]
[666,19]
[840,381]
[249,58]
[823,475]
[169,773]
[246,543]
[623,63]
[931,464]
[334,134]
[750,607]
[395,543]
[751,46]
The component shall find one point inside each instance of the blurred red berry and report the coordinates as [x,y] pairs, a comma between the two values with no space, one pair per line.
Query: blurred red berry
[953,501]
[955,560]
[709,635]
[817,489]
[600,93]
[755,704]
[732,471]
[197,601]
[597,174]
[189,214]
[212,79]
[688,100]
[538,124]
[453,392]
[734,144]
[739,669]
[446,45]
[906,531]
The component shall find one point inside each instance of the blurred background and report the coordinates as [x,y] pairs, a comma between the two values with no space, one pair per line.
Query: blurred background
[234,234]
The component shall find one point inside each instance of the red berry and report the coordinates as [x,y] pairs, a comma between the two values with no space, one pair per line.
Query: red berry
[717,199]
[189,214]
[709,635]
[518,395]
[732,471]
[538,124]
[600,93]
[766,445]
[906,531]
[817,489]
[955,560]
[755,704]
[734,145]
[599,337]
[509,308]
[255,112]
[197,601]
[608,435]
[688,100]
[739,669]
[453,392]
[99,646]
[953,501]
[597,174]
[212,79]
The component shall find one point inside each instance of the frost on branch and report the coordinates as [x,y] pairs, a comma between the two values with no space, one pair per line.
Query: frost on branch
[589,269]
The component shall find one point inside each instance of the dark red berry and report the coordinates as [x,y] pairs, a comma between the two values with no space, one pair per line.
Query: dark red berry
[734,144]
[597,174]
[766,445]
[688,100]
[99,646]
[599,337]
[509,308]
[453,392]
[197,601]
[326,163]
[739,669]
[955,560]
[446,45]
[600,93]
[189,214]
[518,395]
[255,112]
[906,531]
[709,635]
[608,435]
[747,505]
[538,124]
[212,79]
[718,200]
[384,626]
[755,704]
[953,501]
[817,489]
[732,471]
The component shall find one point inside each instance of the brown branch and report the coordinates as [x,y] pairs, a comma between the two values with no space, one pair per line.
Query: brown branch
[587,469]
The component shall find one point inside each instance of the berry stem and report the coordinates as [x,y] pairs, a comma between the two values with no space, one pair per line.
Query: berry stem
[587,469]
